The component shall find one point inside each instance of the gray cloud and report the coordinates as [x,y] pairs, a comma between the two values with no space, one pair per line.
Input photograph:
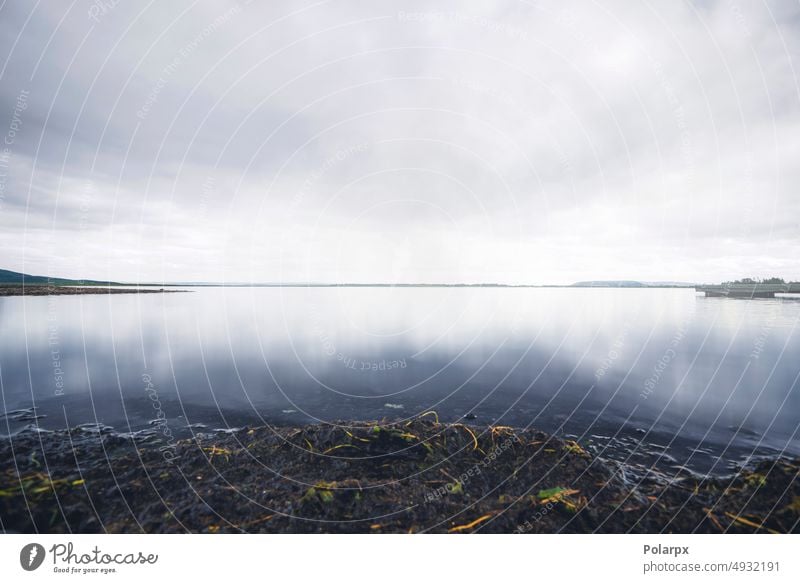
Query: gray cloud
[514,141]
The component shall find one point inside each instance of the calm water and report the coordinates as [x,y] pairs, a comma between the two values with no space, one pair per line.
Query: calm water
[664,376]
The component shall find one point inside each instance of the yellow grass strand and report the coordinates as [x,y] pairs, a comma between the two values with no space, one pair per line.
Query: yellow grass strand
[475,522]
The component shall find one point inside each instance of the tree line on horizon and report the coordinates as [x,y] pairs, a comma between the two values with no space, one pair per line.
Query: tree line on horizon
[764,280]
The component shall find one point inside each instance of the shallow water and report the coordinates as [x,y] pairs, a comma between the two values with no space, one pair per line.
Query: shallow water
[662,376]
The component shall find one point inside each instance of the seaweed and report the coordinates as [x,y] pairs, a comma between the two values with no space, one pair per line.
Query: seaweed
[419,475]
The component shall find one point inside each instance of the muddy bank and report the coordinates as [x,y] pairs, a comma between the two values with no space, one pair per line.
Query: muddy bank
[58,290]
[420,476]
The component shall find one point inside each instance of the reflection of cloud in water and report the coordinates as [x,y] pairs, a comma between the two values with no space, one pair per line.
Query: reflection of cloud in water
[515,356]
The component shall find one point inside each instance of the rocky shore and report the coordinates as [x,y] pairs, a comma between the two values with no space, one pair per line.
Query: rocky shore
[61,290]
[417,476]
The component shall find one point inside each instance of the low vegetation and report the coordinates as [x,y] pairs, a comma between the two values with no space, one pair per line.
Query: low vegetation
[416,476]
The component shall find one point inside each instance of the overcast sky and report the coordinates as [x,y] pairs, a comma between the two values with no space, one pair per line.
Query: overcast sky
[521,142]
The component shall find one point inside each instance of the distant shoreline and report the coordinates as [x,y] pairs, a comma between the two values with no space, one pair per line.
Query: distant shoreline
[43,289]
[423,285]
[7,290]
[18,278]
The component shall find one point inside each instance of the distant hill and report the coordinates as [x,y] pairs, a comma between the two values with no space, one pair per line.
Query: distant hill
[16,278]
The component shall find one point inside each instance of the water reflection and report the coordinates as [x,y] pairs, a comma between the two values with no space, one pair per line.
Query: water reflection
[707,378]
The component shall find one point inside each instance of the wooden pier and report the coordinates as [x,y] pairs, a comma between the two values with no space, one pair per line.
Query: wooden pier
[748,290]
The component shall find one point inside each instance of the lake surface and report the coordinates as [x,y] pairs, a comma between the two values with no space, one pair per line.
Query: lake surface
[654,376]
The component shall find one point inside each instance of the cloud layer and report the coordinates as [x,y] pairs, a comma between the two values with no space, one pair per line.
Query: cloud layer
[349,141]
